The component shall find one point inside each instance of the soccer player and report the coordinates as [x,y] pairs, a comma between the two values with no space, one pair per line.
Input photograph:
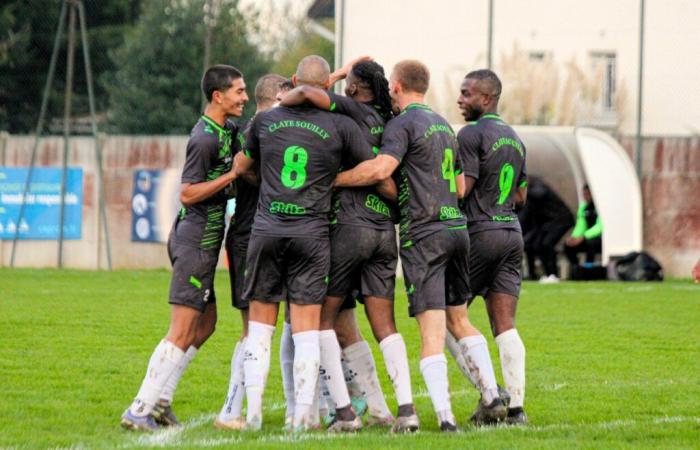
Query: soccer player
[363,258]
[299,151]
[494,165]
[433,235]
[236,244]
[193,247]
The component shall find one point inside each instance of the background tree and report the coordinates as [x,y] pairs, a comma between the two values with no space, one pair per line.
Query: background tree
[156,85]
[27,31]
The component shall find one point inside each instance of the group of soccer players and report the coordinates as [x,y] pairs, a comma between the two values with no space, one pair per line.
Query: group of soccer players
[320,181]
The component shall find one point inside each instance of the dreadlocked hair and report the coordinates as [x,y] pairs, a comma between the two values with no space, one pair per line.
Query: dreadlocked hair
[372,74]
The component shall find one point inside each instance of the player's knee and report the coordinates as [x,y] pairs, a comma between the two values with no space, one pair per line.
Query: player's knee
[384,330]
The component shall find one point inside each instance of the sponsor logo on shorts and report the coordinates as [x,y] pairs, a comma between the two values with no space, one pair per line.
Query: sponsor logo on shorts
[503,218]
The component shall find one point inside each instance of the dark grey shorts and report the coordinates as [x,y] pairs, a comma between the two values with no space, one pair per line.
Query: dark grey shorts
[236,250]
[495,262]
[363,260]
[436,271]
[287,268]
[192,283]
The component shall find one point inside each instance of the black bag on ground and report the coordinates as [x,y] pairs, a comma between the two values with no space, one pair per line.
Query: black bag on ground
[639,266]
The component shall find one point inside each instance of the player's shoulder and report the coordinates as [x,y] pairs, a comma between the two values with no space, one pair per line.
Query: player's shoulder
[203,134]
[471,131]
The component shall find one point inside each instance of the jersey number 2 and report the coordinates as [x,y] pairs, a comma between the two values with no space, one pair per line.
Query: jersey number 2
[448,169]
[505,182]
[294,170]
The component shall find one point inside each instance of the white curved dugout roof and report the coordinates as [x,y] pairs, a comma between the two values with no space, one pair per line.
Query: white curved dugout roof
[566,158]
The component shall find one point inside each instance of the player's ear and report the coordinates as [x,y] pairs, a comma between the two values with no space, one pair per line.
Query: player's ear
[216,97]
[351,89]
[294,80]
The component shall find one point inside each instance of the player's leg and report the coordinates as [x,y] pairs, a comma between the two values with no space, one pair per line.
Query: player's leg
[190,288]
[501,305]
[378,283]
[287,368]
[308,263]
[230,416]
[264,288]
[424,265]
[472,344]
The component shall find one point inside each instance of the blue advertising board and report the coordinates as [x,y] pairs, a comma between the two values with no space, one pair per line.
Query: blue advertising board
[42,203]
[154,204]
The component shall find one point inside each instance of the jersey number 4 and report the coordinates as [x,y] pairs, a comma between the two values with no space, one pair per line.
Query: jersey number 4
[448,169]
[293,173]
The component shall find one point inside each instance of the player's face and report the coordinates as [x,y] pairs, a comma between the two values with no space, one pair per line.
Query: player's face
[234,98]
[393,93]
[351,82]
[471,100]
[587,195]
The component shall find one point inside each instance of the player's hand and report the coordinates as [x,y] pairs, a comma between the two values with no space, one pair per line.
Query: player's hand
[574,241]
[345,70]
[696,272]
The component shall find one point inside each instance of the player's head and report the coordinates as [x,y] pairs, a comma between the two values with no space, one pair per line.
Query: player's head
[314,71]
[266,91]
[285,86]
[479,94]
[409,77]
[223,87]
[366,80]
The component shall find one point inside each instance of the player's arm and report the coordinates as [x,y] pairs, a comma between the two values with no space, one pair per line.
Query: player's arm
[195,187]
[368,172]
[460,179]
[245,168]
[302,94]
[469,183]
[387,189]
[341,73]
[521,195]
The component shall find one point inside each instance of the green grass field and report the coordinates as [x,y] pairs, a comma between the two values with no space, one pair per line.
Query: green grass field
[609,365]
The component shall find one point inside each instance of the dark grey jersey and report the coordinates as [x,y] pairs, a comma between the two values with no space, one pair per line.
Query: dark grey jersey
[300,151]
[494,155]
[210,151]
[426,147]
[362,206]
[246,198]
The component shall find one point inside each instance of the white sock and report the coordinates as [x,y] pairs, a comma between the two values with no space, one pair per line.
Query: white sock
[434,370]
[236,387]
[326,405]
[358,357]
[307,359]
[161,366]
[256,364]
[475,351]
[314,412]
[512,352]
[287,366]
[331,369]
[168,391]
[456,352]
[350,378]
[396,361]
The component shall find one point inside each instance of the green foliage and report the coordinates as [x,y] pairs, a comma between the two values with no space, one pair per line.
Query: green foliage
[304,44]
[156,85]
[609,365]
[27,32]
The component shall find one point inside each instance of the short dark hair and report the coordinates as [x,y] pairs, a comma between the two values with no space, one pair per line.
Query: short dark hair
[219,78]
[413,75]
[488,79]
[286,85]
[266,89]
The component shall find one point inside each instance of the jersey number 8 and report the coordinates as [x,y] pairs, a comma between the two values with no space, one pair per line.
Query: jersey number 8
[294,170]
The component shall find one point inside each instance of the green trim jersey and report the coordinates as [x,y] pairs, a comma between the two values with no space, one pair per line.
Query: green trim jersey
[492,154]
[362,206]
[210,151]
[426,148]
[246,197]
[300,151]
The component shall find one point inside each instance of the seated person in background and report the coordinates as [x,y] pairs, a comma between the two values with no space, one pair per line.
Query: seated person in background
[545,219]
[586,237]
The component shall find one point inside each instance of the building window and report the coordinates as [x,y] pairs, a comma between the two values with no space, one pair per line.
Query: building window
[606,64]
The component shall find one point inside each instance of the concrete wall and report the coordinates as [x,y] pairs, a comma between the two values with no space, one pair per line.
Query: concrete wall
[670,188]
